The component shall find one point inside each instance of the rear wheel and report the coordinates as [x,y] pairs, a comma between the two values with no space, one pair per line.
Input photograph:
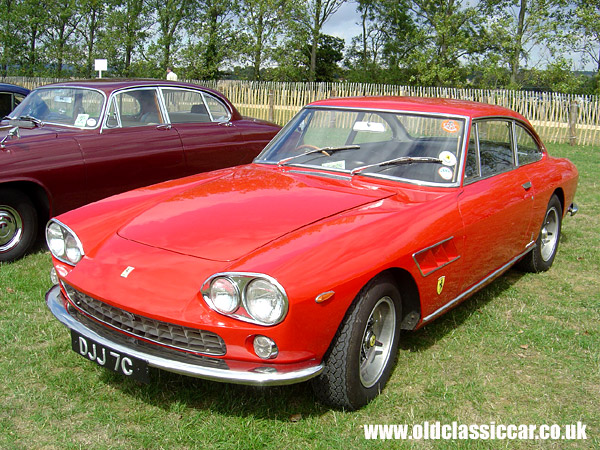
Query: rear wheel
[542,256]
[364,350]
[18,224]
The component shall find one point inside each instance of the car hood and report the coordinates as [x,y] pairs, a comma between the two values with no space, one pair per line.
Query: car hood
[32,134]
[229,217]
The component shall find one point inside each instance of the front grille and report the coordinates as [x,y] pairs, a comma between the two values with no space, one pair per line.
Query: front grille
[176,336]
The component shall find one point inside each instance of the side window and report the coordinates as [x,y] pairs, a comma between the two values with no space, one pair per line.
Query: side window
[472,163]
[137,107]
[112,116]
[5,103]
[217,110]
[495,146]
[185,106]
[18,98]
[528,150]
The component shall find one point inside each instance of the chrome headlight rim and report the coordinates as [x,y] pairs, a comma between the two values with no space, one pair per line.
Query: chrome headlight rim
[242,280]
[66,234]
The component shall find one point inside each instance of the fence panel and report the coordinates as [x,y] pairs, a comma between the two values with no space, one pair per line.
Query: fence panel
[279,101]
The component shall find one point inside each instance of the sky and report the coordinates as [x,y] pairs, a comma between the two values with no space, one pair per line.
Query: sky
[344,23]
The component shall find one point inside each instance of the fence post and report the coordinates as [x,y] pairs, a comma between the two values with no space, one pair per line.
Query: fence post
[572,123]
[271,105]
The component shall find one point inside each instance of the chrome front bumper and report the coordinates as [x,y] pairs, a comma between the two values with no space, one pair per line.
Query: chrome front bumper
[250,373]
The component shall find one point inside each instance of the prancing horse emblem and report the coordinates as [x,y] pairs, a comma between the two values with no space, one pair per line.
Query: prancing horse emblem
[440,285]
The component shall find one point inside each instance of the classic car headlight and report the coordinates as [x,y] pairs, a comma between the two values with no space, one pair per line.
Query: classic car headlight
[264,301]
[63,243]
[254,298]
[224,295]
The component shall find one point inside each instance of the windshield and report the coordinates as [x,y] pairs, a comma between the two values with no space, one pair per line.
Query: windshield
[415,147]
[69,106]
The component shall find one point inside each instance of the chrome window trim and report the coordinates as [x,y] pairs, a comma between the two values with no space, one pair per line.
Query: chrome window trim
[212,119]
[537,144]
[459,164]
[116,92]
[513,144]
[102,110]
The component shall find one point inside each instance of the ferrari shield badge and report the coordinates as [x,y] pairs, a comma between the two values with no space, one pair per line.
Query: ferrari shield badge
[440,284]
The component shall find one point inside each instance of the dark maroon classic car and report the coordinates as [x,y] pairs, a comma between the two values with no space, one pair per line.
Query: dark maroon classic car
[69,144]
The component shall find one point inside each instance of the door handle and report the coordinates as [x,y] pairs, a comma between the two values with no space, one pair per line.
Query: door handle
[164,126]
[527,185]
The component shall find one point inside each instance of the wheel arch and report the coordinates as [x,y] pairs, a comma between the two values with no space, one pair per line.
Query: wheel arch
[411,302]
[561,198]
[36,193]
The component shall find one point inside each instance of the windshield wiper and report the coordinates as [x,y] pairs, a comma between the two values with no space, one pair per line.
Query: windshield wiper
[32,119]
[397,161]
[324,150]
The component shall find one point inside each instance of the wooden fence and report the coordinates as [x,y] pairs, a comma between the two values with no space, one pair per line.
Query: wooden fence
[558,118]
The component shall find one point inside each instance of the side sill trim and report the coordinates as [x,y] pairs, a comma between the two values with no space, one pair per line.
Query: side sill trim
[477,286]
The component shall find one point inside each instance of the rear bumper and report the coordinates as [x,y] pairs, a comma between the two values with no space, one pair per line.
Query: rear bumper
[573,209]
[238,372]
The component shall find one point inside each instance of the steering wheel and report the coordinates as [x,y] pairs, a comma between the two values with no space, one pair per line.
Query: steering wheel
[307,146]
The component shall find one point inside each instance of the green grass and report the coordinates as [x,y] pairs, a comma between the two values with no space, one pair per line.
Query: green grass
[525,350]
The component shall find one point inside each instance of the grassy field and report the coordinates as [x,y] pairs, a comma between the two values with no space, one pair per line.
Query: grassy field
[525,350]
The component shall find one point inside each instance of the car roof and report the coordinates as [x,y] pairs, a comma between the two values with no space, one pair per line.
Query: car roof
[5,87]
[110,84]
[422,104]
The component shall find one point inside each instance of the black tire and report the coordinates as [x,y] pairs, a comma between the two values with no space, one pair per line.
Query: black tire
[18,224]
[542,256]
[344,383]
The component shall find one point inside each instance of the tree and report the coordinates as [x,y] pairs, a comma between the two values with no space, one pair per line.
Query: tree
[448,32]
[32,21]
[312,15]
[260,23]
[585,30]
[63,20]
[170,16]
[518,26]
[128,24]
[91,28]
[210,39]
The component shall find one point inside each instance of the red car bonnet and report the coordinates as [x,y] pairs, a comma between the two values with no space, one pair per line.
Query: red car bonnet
[229,217]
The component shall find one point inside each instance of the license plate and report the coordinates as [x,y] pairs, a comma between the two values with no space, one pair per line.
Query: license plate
[107,357]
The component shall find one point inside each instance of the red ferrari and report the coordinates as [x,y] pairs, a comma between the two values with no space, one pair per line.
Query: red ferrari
[363,217]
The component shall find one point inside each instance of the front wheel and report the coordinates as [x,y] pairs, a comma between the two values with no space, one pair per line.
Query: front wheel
[364,350]
[542,256]
[18,224]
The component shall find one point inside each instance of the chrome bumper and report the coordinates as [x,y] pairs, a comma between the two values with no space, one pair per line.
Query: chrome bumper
[245,373]
[573,208]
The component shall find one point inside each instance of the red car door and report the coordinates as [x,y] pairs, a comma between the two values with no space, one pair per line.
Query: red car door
[496,202]
[135,148]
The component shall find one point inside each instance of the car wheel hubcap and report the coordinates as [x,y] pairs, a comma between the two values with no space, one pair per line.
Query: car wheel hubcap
[11,228]
[549,234]
[377,342]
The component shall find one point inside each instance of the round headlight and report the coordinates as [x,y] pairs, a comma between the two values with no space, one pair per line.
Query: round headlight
[224,295]
[63,243]
[55,239]
[265,302]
